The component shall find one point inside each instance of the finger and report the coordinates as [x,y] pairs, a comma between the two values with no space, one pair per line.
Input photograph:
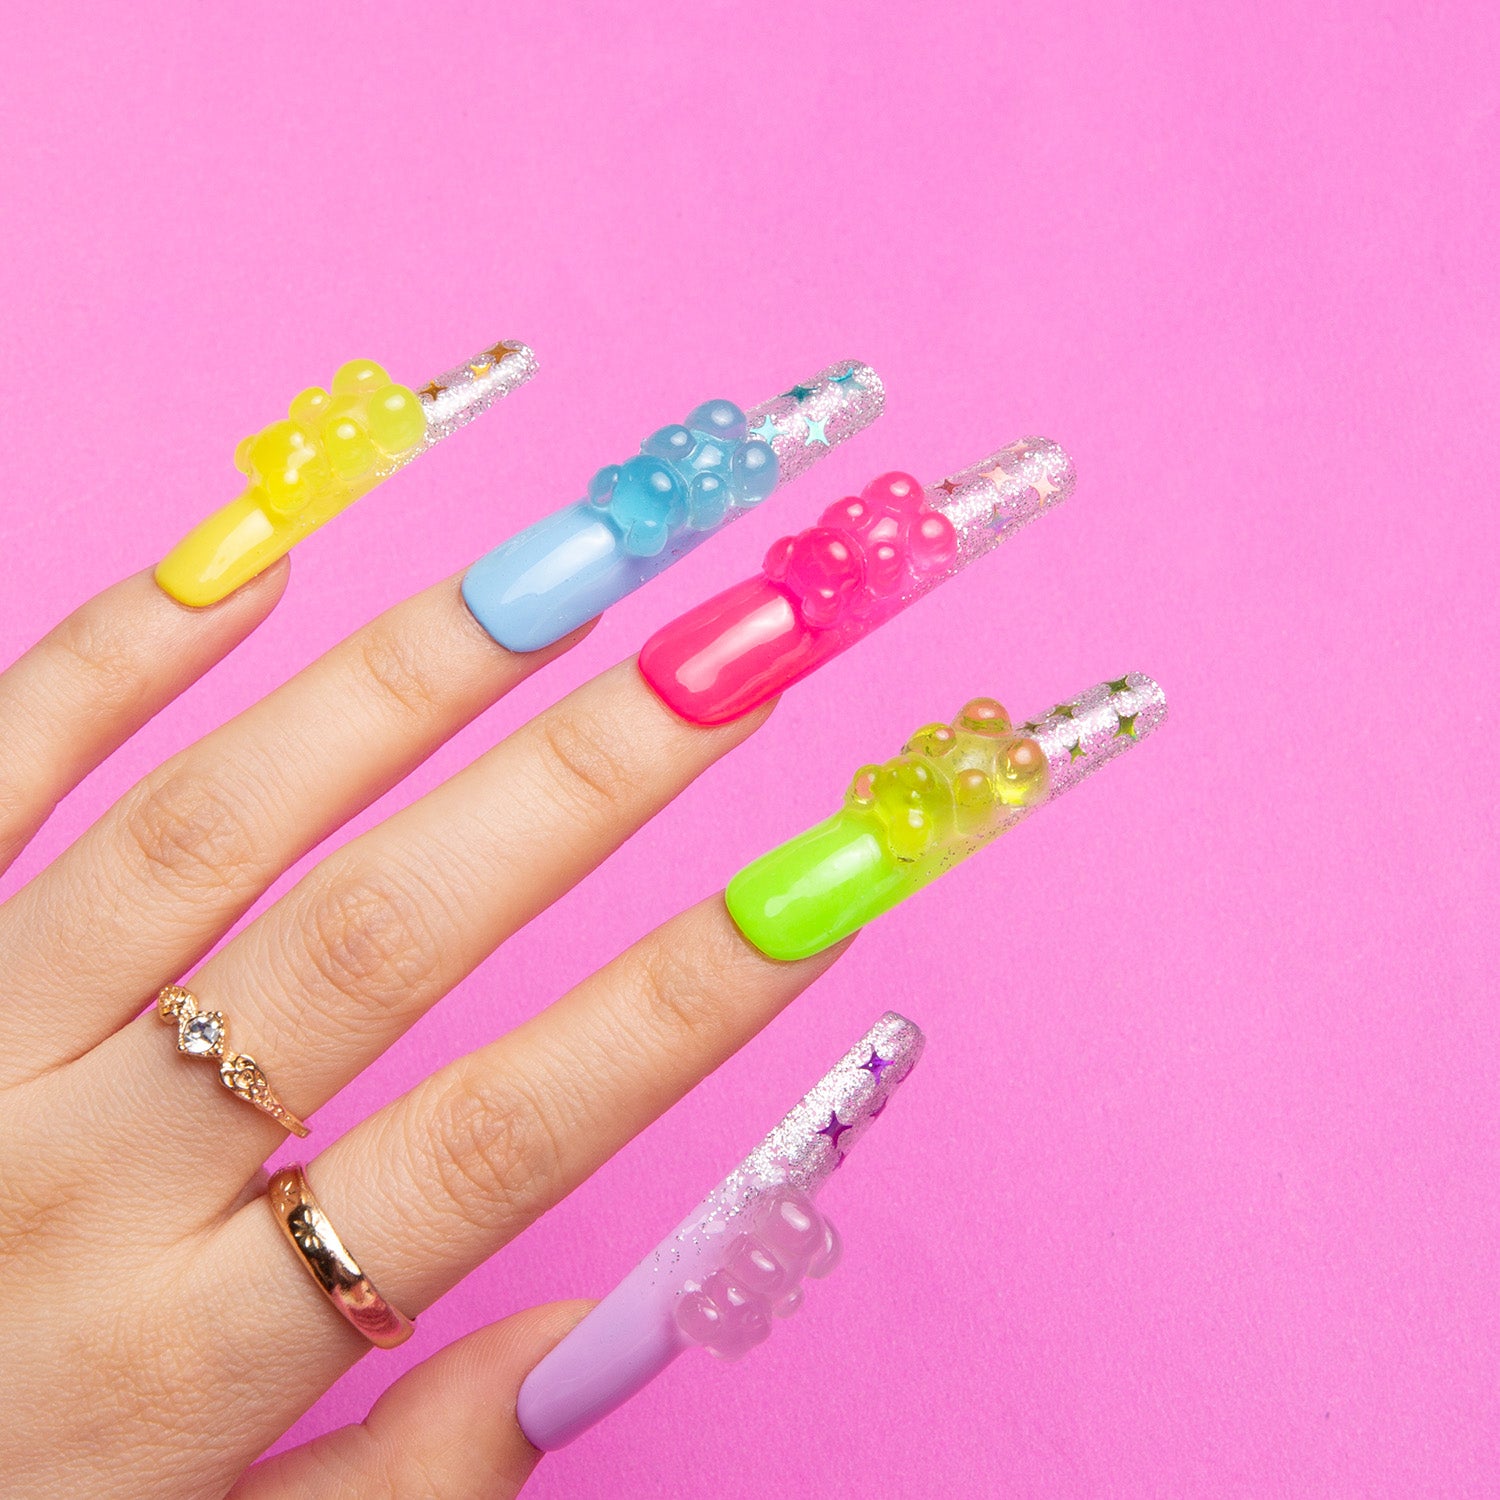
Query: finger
[438,1180]
[96,678]
[446,1429]
[337,969]
[145,892]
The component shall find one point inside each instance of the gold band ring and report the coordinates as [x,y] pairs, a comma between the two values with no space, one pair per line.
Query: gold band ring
[321,1250]
[202,1033]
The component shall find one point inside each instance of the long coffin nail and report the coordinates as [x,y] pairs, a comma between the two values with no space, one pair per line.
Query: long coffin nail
[688,481]
[827,587]
[951,790]
[734,1263]
[331,448]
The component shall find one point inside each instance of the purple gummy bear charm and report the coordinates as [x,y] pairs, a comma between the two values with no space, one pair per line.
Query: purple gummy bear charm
[730,1312]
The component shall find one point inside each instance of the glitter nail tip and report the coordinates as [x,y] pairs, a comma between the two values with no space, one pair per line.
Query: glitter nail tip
[738,1261]
[689,480]
[868,557]
[953,789]
[332,447]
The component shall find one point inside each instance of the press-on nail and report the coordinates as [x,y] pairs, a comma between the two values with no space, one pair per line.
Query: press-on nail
[735,1263]
[689,481]
[867,559]
[332,447]
[953,789]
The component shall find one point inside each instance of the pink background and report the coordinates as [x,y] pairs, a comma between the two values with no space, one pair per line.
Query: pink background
[1195,1192]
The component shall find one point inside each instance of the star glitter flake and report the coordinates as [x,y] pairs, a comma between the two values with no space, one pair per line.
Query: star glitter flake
[1126,726]
[850,378]
[1063,711]
[1119,685]
[1076,752]
[815,432]
[834,1129]
[432,390]
[799,392]
[876,1065]
[482,367]
[767,429]
[948,487]
[500,351]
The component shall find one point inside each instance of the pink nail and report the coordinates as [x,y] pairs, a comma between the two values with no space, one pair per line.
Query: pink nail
[867,559]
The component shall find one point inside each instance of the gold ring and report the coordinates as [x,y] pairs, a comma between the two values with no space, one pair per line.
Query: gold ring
[331,1266]
[202,1033]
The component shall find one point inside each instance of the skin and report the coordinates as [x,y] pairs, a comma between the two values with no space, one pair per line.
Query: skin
[114,1380]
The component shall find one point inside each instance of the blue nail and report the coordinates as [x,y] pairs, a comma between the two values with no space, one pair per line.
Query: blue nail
[688,481]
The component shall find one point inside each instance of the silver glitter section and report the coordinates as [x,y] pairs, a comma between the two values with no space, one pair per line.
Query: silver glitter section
[813,417]
[993,499]
[457,396]
[798,1150]
[806,1147]
[1090,730]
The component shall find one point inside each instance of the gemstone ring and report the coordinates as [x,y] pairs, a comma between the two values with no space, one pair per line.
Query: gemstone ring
[202,1033]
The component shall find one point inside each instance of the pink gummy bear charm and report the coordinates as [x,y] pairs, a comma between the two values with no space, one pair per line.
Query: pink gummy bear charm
[865,552]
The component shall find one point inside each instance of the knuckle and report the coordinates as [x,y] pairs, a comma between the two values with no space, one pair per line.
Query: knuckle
[17,805]
[143,1368]
[35,1211]
[387,1470]
[497,1154]
[677,994]
[583,765]
[369,936]
[400,671]
[114,673]
[188,829]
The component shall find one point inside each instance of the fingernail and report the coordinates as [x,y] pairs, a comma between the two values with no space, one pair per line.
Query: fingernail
[951,791]
[829,586]
[734,1263]
[689,481]
[331,448]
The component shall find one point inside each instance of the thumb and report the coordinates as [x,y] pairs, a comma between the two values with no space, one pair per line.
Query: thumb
[447,1429]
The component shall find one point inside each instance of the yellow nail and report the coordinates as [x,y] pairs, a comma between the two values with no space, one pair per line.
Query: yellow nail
[332,447]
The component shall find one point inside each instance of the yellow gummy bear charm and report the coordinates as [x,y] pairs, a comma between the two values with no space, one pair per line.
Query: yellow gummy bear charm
[331,448]
[951,790]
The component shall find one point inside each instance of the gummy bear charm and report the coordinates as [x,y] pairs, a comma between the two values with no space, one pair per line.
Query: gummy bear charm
[730,1310]
[325,454]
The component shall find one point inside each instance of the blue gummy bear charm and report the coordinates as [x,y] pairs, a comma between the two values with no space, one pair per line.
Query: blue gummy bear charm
[646,504]
[637,519]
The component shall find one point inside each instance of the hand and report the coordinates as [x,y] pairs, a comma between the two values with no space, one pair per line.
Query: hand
[159,1330]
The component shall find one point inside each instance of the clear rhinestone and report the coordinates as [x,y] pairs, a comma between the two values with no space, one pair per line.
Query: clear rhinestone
[203,1035]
